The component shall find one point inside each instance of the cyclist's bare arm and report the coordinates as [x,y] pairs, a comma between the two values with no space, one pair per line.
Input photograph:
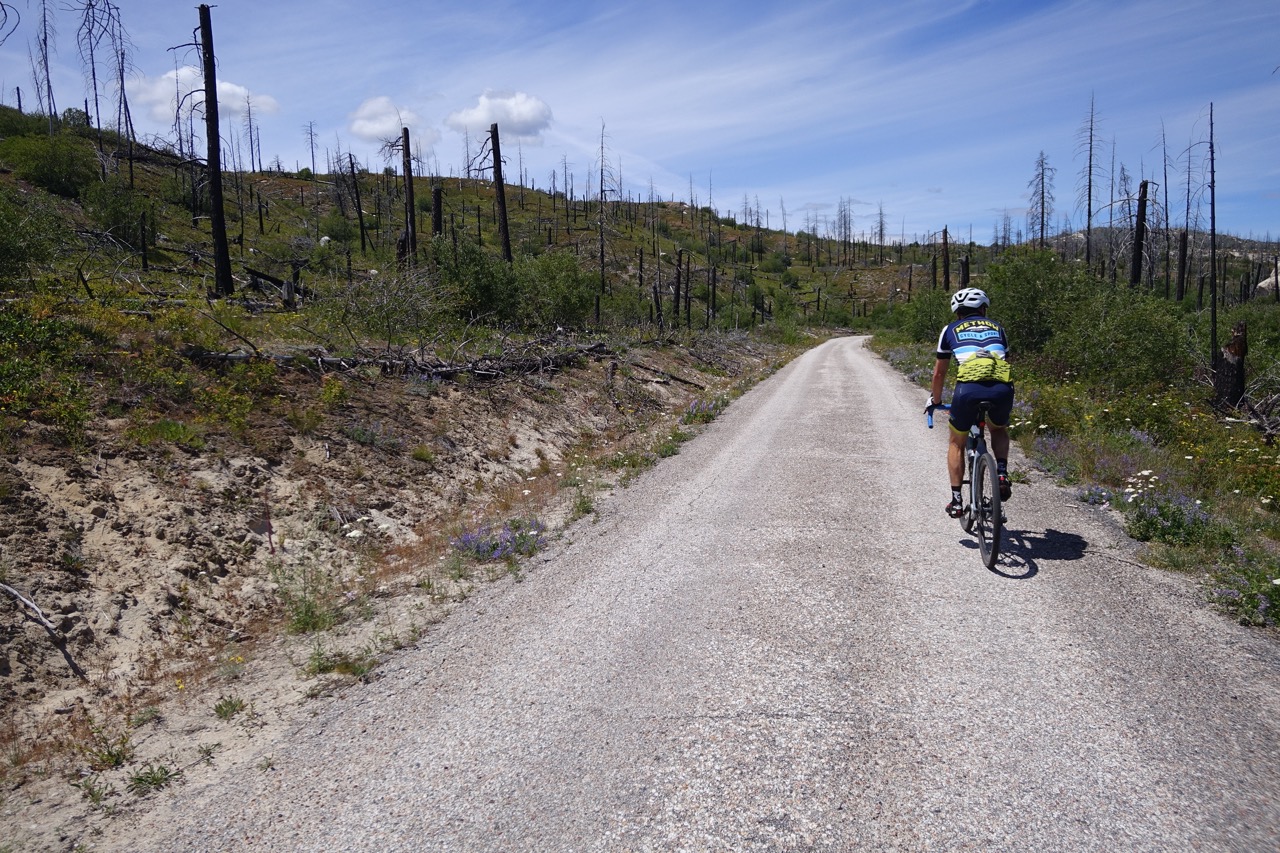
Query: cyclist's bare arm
[939,378]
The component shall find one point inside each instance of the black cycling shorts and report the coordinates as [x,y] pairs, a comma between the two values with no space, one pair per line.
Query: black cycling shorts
[967,396]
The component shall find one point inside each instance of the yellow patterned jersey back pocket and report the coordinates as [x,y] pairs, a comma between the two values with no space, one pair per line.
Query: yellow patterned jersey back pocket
[984,367]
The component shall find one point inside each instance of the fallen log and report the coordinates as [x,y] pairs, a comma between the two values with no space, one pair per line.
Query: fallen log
[667,375]
[488,368]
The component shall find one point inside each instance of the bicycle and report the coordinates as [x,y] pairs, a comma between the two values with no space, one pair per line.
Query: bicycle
[982,514]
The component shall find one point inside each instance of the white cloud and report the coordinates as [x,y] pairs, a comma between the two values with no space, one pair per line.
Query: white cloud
[157,96]
[379,118]
[517,115]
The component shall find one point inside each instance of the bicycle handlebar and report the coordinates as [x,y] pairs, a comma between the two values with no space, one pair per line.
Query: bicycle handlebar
[929,412]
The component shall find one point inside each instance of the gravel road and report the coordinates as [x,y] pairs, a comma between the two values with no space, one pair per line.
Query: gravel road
[776,641]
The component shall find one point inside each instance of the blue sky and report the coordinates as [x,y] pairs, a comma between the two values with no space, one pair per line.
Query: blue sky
[937,111]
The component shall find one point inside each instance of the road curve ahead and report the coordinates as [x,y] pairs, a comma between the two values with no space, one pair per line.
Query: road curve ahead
[776,641]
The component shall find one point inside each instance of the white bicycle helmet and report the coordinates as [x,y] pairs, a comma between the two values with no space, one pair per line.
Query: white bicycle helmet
[969,297]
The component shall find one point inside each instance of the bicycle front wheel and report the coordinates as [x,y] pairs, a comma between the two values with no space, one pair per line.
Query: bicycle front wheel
[988,518]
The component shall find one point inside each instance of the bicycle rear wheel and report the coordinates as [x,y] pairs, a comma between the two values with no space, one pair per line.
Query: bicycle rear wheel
[975,495]
[988,517]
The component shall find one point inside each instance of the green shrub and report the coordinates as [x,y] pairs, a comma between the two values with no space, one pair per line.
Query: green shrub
[15,123]
[1173,521]
[554,289]
[1242,584]
[338,228]
[39,374]
[29,233]
[1032,291]
[486,285]
[1123,342]
[119,210]
[926,314]
[63,165]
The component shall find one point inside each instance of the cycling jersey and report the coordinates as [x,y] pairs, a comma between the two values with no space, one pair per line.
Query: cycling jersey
[980,349]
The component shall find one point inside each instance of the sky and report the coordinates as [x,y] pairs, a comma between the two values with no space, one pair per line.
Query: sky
[934,113]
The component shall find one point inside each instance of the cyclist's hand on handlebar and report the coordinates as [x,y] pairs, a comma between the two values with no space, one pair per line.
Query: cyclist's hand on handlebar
[928,407]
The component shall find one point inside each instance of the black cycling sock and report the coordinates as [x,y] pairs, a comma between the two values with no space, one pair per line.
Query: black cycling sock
[957,496]
[1002,466]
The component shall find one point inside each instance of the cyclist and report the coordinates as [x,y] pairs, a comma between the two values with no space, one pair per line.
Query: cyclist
[980,349]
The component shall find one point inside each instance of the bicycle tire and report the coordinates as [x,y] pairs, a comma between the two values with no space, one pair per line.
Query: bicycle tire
[966,517]
[989,519]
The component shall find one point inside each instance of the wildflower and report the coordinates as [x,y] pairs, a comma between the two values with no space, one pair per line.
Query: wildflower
[1044,426]
[525,492]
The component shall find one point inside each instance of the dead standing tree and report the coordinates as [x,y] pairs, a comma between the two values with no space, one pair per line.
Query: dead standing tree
[499,187]
[223,283]
[1041,210]
[407,245]
[1139,237]
[410,208]
[504,233]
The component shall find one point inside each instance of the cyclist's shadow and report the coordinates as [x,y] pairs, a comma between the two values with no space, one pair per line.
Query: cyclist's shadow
[1021,550]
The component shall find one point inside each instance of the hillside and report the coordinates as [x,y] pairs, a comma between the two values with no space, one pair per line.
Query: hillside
[211,509]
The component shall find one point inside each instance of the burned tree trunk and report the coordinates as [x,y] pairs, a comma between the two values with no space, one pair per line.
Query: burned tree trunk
[1229,379]
[946,260]
[1182,265]
[410,211]
[675,303]
[223,283]
[1139,237]
[437,209]
[504,233]
[355,188]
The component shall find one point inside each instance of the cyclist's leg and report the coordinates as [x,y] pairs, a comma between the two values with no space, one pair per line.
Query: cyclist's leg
[1001,396]
[955,458]
[963,414]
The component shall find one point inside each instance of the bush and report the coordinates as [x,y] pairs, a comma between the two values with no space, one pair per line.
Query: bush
[554,289]
[1032,292]
[486,285]
[1157,516]
[1242,585]
[14,123]
[926,314]
[338,228]
[63,165]
[118,210]
[28,234]
[1122,341]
